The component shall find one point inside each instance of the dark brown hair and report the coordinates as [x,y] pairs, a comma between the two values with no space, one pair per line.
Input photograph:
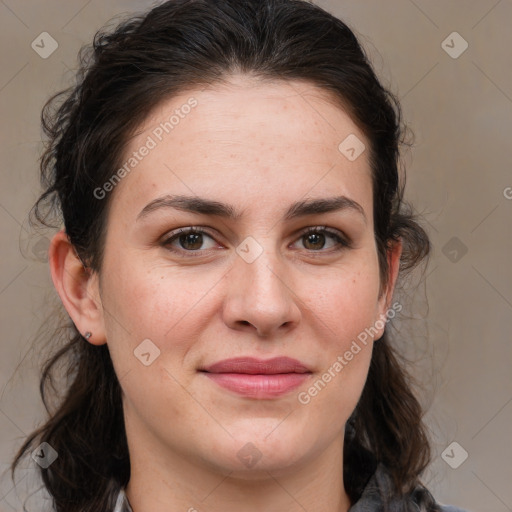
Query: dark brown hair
[123,76]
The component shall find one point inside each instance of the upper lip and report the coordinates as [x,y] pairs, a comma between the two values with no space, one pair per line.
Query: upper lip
[252,365]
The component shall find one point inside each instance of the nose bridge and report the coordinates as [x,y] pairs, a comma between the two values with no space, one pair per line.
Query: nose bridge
[258,291]
[258,267]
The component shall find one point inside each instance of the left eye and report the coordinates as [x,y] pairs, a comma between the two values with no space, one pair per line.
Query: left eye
[315,238]
[191,240]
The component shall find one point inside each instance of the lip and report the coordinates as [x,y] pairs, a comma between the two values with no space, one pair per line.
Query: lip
[256,378]
[253,366]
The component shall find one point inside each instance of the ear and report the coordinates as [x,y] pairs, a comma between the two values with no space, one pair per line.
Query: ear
[78,288]
[393,257]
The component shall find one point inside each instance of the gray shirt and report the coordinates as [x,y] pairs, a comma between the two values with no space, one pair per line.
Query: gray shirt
[375,498]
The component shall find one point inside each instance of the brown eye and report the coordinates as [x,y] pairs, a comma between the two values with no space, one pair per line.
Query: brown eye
[188,240]
[316,239]
[191,241]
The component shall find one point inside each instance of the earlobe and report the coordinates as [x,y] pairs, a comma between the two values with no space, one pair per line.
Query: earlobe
[77,287]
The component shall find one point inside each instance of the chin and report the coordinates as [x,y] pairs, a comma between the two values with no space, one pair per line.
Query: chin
[252,453]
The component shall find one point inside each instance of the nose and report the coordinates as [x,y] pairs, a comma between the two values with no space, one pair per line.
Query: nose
[260,296]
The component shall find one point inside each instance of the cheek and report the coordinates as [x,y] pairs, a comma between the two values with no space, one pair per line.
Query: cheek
[344,311]
[152,299]
[346,302]
[171,307]
[163,306]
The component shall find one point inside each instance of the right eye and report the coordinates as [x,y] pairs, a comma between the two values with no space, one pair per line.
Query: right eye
[190,240]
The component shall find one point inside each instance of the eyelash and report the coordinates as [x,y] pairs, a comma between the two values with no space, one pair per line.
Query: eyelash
[343,242]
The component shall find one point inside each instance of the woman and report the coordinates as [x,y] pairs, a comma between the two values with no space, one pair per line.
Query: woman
[227,175]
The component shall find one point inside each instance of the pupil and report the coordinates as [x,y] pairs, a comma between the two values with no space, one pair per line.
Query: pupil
[194,238]
[315,238]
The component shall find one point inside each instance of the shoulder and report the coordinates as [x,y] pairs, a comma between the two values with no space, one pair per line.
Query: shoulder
[378,494]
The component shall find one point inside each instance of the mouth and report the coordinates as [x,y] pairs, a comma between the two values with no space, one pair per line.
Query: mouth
[256,378]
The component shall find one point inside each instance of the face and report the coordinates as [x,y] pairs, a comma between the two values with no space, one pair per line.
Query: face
[260,276]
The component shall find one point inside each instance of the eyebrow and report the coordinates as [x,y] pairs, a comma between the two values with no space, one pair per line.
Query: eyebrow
[218,209]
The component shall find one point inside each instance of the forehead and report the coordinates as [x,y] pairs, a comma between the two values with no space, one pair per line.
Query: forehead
[295,110]
[247,136]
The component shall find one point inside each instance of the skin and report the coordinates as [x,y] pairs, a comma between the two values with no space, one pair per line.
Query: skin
[260,147]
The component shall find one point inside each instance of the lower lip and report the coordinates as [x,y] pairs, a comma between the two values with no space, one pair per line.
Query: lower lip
[259,386]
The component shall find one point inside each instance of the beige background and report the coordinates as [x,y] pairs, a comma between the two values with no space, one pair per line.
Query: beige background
[460,110]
